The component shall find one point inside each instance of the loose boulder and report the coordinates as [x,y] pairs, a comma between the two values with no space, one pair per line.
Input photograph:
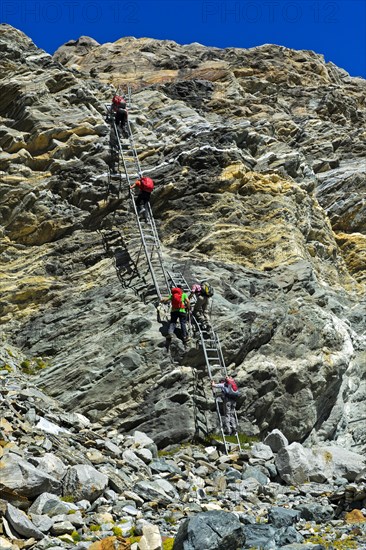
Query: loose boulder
[276,440]
[84,482]
[22,524]
[20,476]
[297,464]
[216,530]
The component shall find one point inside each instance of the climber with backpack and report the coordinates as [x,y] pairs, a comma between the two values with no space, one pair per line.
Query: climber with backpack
[119,110]
[146,186]
[230,395]
[179,309]
[202,292]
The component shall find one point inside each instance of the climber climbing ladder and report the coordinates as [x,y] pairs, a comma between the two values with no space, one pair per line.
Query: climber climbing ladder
[212,352]
[161,277]
[148,233]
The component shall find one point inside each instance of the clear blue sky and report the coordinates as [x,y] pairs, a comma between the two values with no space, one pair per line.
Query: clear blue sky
[334,28]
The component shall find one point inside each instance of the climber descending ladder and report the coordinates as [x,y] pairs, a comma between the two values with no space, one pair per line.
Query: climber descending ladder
[148,232]
[212,352]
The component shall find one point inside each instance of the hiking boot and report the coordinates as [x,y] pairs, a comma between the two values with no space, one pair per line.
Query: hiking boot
[169,336]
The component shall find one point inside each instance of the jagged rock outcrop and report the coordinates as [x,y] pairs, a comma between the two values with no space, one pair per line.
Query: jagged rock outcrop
[259,158]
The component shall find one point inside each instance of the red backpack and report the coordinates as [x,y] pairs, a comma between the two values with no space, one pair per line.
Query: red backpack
[177,298]
[119,101]
[146,184]
[232,383]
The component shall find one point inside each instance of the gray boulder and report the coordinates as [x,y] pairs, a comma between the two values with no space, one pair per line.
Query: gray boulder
[276,440]
[51,505]
[261,451]
[135,462]
[84,482]
[282,517]
[62,528]
[160,465]
[51,465]
[255,473]
[341,462]
[21,523]
[259,536]
[43,523]
[288,535]
[297,464]
[152,490]
[316,512]
[293,463]
[20,476]
[216,530]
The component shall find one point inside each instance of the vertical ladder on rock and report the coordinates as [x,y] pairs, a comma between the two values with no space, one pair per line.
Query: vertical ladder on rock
[161,278]
[148,232]
[212,352]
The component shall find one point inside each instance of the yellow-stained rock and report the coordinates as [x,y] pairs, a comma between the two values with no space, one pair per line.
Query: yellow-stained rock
[110,543]
[353,247]
[355,516]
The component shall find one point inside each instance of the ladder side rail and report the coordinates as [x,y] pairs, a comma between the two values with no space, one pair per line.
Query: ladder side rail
[216,397]
[221,356]
[121,153]
[156,285]
[177,278]
[156,259]
[133,149]
[146,248]
[203,343]
[130,135]
[157,244]
[226,374]
[114,125]
[148,253]
[129,94]
[217,405]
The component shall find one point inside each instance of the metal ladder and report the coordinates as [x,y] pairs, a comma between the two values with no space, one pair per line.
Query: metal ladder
[148,232]
[212,352]
[162,278]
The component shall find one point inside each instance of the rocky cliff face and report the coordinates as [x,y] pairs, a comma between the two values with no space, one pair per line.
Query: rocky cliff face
[259,160]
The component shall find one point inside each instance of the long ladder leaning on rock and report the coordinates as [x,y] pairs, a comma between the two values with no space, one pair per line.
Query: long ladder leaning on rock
[149,236]
[212,352]
[162,278]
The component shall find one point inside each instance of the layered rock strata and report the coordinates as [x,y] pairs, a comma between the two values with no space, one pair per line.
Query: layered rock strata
[259,160]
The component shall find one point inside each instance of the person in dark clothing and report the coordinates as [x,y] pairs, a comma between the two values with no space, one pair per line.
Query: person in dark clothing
[119,109]
[121,120]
